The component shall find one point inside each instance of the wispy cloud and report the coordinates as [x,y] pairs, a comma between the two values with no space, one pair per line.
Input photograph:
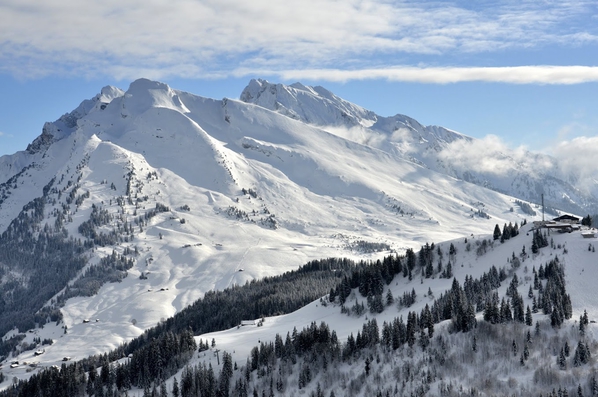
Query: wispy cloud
[541,74]
[216,38]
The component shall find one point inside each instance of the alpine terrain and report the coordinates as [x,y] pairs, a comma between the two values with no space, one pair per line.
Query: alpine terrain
[155,242]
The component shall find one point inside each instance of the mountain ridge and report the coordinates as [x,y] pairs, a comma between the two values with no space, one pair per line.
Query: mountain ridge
[194,194]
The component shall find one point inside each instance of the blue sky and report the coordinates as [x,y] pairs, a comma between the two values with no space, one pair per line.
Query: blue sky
[522,71]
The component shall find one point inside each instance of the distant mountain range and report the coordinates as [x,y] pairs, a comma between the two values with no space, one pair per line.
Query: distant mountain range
[523,175]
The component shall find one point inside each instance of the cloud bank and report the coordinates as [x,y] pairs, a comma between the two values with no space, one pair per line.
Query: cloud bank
[572,160]
[333,40]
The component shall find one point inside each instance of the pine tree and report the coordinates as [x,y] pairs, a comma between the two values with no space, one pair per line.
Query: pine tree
[529,321]
[226,373]
[528,337]
[389,298]
[497,233]
[582,354]
[449,270]
[175,388]
[429,269]
[561,360]
[594,385]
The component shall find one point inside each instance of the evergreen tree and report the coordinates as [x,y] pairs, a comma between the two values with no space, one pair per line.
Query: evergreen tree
[561,360]
[389,298]
[226,374]
[497,233]
[582,354]
[449,270]
[529,321]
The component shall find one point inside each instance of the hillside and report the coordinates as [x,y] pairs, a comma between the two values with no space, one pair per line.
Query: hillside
[502,356]
[130,208]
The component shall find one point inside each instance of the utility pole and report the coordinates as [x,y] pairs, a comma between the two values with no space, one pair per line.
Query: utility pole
[217,355]
[542,207]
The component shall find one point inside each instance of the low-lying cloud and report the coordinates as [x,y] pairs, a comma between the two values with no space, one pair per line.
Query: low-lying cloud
[488,155]
[578,157]
[572,160]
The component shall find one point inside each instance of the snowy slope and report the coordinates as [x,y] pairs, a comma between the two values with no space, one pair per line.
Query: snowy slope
[487,163]
[247,189]
[581,273]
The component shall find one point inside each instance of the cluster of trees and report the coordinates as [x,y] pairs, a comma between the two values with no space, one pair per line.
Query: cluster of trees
[110,269]
[587,221]
[6,187]
[148,366]
[98,217]
[369,279]
[552,296]
[539,240]
[269,296]
[525,207]
[250,192]
[508,231]
[46,258]
[268,221]
[368,246]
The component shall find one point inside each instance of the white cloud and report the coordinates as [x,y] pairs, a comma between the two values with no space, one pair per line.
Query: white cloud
[578,157]
[215,38]
[487,155]
[359,134]
[573,160]
[541,74]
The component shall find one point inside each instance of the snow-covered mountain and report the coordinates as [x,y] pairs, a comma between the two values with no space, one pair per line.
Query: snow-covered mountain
[172,195]
[525,175]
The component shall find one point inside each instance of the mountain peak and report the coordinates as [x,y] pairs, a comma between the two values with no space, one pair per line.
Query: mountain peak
[144,84]
[312,105]
[144,94]
[54,131]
